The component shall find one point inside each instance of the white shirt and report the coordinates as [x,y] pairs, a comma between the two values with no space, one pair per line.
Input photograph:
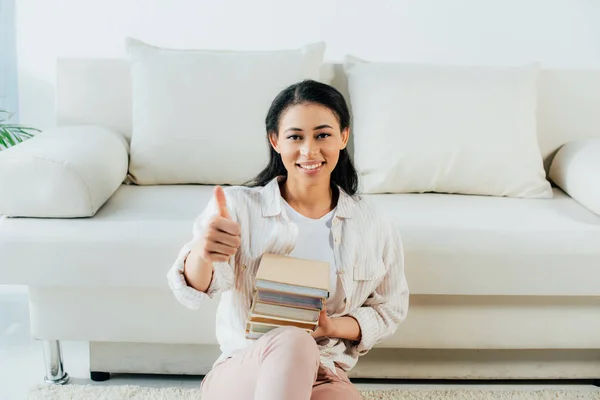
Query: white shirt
[315,242]
[367,251]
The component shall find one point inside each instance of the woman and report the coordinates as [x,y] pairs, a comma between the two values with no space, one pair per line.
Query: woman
[303,204]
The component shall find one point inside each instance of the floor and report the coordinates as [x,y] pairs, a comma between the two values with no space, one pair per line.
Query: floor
[22,366]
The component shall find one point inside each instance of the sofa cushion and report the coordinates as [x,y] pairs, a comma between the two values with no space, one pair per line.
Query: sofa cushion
[198,115]
[575,170]
[447,129]
[476,245]
[454,244]
[64,172]
[130,241]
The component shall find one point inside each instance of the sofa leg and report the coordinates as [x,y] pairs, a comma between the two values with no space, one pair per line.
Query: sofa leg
[55,374]
[98,376]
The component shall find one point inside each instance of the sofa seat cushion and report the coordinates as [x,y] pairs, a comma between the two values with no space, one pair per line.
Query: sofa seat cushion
[131,241]
[454,244]
[479,245]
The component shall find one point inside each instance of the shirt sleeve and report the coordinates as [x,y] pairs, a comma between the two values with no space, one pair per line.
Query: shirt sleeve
[223,272]
[387,306]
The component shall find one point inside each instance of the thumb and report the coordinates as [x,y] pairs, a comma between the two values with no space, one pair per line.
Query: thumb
[323,310]
[221,202]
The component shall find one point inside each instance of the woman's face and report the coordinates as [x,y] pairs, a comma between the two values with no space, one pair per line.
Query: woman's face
[309,142]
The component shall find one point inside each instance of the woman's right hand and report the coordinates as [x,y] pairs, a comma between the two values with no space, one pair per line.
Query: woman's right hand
[221,238]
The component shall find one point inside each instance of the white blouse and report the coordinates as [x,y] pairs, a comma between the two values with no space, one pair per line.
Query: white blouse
[315,242]
[368,254]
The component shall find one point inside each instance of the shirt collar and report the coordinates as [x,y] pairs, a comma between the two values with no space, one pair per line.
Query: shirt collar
[271,200]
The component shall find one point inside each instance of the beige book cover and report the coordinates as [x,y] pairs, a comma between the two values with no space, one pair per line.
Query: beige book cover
[293,271]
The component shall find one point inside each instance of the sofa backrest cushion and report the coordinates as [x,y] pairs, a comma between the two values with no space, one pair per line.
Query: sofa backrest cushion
[199,115]
[97,91]
[446,129]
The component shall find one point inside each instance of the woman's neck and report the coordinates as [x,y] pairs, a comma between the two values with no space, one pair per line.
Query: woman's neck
[312,201]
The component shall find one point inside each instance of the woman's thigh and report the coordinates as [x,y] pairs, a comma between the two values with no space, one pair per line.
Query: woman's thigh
[234,378]
[282,362]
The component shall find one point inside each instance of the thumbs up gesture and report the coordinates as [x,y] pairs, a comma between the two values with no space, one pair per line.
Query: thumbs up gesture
[222,235]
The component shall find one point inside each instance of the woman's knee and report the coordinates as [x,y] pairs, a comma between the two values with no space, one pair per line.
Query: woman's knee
[296,343]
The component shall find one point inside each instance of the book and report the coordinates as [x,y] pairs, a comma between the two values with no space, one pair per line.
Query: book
[286,312]
[291,275]
[288,292]
[283,322]
[255,330]
[259,328]
[290,300]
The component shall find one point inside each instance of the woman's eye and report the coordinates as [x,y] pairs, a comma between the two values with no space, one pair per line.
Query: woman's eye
[294,137]
[323,135]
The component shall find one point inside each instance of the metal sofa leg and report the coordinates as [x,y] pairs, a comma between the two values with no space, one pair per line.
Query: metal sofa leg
[55,373]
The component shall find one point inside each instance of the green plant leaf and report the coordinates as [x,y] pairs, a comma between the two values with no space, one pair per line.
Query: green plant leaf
[12,134]
[20,132]
[8,137]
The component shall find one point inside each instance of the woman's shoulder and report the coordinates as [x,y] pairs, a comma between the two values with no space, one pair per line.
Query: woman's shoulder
[239,190]
[375,220]
[242,193]
[243,197]
[362,205]
[367,211]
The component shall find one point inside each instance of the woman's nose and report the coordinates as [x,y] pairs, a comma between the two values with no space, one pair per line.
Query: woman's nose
[309,150]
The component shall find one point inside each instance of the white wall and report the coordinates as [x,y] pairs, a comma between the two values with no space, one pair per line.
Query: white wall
[8,59]
[558,33]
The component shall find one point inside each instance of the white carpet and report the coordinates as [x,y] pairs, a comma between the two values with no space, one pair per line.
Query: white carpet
[80,392]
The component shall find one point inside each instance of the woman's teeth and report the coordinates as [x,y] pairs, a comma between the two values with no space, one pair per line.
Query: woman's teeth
[314,166]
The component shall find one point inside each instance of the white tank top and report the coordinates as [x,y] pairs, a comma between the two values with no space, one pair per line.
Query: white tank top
[315,242]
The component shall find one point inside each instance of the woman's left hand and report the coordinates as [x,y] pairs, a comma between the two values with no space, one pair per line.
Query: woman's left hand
[325,326]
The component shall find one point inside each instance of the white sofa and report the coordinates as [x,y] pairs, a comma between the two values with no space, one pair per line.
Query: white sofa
[501,288]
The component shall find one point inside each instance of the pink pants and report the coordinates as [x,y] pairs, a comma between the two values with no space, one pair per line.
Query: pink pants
[282,364]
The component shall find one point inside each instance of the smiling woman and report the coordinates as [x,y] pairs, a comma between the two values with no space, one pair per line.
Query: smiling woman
[308,129]
[303,205]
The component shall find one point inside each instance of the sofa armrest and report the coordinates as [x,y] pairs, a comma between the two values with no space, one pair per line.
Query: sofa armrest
[64,172]
[576,170]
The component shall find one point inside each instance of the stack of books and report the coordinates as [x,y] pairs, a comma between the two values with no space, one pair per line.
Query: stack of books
[289,292]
